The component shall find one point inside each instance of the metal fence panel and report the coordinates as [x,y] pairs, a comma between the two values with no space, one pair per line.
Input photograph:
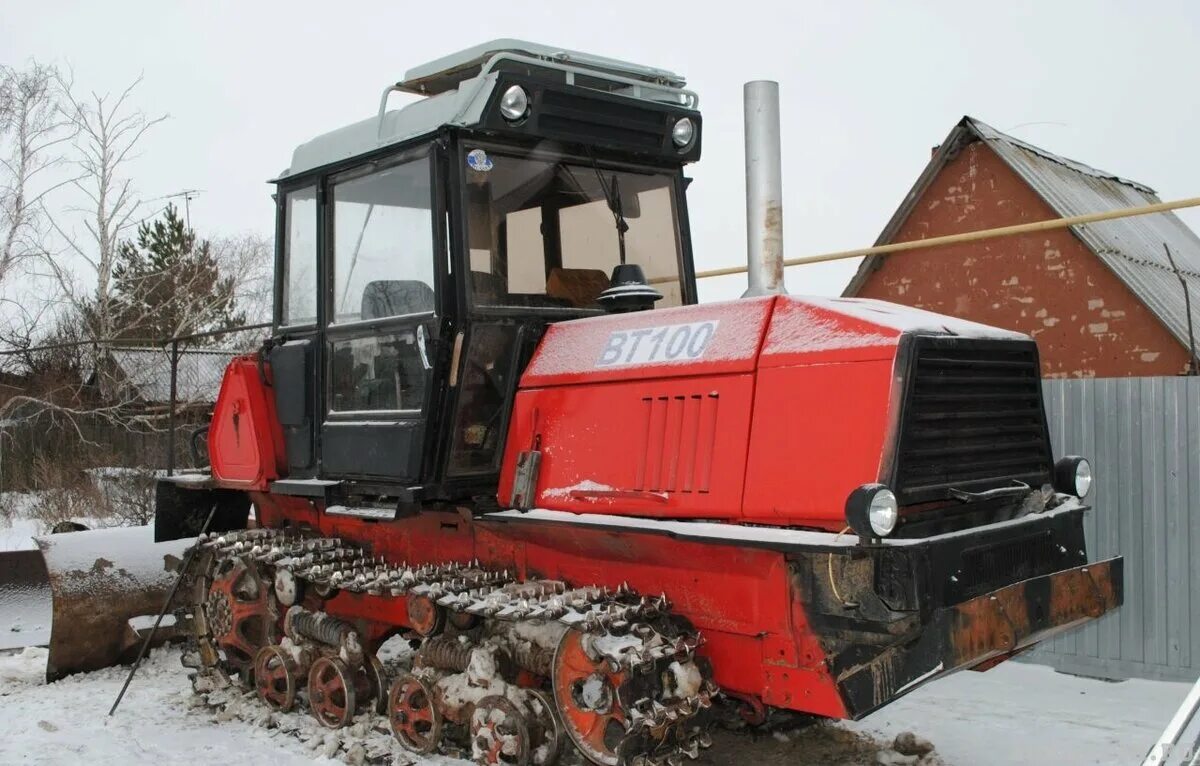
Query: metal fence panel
[1143,438]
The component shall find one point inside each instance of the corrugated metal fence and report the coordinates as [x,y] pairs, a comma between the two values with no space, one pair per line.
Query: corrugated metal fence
[1143,438]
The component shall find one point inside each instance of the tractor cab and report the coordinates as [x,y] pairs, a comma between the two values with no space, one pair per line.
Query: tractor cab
[423,252]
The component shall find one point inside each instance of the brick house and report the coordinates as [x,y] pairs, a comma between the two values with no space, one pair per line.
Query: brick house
[1102,300]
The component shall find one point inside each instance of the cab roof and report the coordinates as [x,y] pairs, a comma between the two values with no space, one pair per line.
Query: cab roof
[446,73]
[458,87]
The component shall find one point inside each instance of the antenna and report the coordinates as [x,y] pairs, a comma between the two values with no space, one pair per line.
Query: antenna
[187,195]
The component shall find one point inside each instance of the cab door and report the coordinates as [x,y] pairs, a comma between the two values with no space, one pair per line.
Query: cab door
[380,318]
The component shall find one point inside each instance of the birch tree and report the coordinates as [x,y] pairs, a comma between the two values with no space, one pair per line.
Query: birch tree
[33,130]
[107,132]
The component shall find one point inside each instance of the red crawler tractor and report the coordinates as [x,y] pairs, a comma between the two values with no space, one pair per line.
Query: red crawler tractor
[592,519]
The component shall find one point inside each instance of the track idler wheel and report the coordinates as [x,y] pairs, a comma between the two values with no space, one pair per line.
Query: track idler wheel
[332,692]
[275,677]
[413,715]
[241,614]
[586,692]
[499,733]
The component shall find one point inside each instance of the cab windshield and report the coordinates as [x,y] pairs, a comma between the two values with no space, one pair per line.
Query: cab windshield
[544,233]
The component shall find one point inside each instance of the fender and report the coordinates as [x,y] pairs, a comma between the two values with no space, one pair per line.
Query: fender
[245,442]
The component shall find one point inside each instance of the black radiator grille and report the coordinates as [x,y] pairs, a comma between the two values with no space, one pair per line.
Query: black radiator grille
[972,419]
[583,118]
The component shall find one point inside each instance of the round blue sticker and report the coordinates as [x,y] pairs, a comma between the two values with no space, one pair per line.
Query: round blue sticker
[477,159]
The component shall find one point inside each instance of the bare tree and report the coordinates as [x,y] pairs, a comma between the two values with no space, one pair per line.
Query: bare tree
[55,345]
[60,374]
[32,127]
[251,256]
[107,131]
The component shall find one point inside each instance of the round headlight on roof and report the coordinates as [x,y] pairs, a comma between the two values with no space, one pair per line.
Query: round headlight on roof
[872,512]
[683,132]
[1073,475]
[514,104]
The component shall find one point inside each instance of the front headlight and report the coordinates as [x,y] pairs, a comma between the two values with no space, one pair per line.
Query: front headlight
[872,511]
[1073,475]
[683,132]
[884,512]
[514,104]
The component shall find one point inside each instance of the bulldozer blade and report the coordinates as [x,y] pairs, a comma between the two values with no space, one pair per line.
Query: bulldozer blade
[25,612]
[107,586]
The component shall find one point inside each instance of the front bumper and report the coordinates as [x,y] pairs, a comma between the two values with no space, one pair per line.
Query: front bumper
[1015,617]
[902,615]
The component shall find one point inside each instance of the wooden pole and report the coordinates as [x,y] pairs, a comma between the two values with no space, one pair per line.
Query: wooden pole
[970,236]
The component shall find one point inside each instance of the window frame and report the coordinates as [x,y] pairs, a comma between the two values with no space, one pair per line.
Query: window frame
[469,140]
[354,174]
[333,333]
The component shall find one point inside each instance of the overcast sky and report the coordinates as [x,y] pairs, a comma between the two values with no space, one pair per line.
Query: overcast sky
[867,88]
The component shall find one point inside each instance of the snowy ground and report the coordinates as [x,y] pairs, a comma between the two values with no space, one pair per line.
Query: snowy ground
[16,534]
[1017,713]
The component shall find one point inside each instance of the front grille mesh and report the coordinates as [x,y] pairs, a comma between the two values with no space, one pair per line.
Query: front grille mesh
[580,117]
[987,568]
[972,419]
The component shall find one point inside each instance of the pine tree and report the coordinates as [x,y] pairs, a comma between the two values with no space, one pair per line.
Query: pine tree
[167,284]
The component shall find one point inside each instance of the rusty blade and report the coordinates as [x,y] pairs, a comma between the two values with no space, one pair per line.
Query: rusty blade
[25,612]
[101,580]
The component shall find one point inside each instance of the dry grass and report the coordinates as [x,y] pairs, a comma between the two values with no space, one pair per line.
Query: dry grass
[104,498]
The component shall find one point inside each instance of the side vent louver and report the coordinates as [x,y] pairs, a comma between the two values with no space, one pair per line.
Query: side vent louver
[678,436]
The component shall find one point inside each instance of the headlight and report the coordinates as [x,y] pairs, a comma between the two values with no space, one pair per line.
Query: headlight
[884,512]
[872,511]
[514,104]
[1073,475]
[683,132]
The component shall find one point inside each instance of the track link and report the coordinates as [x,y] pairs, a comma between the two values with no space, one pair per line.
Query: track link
[627,685]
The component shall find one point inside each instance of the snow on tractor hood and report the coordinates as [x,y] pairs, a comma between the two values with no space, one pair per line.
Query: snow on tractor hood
[735,336]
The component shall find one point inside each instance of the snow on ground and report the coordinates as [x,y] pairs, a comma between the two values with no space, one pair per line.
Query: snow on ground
[1016,713]
[17,532]
[1021,713]
[158,722]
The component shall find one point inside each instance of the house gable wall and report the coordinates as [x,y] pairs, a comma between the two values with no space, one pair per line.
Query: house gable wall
[1050,285]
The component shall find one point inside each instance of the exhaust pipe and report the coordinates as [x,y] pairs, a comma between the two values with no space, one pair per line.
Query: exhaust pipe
[764,190]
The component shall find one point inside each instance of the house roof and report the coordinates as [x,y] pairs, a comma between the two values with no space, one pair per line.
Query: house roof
[148,370]
[1133,248]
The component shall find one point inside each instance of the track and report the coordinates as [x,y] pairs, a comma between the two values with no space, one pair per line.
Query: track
[504,671]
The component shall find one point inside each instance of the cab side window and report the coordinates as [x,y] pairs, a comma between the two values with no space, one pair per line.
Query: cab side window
[299,279]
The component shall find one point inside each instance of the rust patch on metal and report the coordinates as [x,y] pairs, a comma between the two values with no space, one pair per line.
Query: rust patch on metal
[1022,614]
[773,242]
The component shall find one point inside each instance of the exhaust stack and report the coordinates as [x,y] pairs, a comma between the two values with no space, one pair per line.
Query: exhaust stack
[764,190]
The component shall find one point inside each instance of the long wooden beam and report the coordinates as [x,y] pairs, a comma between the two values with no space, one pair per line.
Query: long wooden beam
[970,236]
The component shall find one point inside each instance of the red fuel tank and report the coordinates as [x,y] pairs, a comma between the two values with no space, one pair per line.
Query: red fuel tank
[245,443]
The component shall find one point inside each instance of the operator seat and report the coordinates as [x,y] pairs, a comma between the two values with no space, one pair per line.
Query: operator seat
[396,297]
[398,379]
